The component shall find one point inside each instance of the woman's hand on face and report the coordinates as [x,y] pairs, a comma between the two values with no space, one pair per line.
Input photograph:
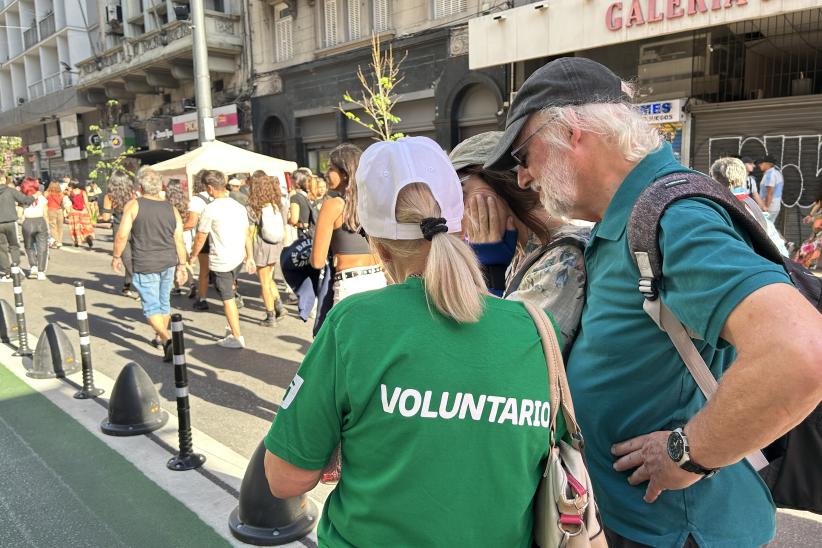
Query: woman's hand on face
[484,223]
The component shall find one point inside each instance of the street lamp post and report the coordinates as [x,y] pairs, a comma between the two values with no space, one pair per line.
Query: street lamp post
[202,78]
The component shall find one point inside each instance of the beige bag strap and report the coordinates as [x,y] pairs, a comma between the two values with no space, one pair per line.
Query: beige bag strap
[706,381]
[557,380]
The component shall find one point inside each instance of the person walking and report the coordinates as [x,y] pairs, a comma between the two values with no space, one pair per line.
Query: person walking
[266,218]
[196,206]
[156,233]
[56,214]
[10,198]
[224,222]
[302,214]
[79,217]
[653,443]
[356,268]
[771,186]
[35,230]
[399,367]
[120,192]
[177,196]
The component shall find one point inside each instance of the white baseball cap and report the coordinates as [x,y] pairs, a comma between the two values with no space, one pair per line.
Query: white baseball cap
[386,167]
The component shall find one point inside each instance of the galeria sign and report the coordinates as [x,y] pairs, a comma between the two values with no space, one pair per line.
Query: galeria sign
[654,11]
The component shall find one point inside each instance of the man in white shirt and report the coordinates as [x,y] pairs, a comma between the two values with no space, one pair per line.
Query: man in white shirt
[771,186]
[224,222]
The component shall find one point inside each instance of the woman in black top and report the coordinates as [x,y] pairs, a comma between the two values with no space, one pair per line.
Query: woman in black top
[337,231]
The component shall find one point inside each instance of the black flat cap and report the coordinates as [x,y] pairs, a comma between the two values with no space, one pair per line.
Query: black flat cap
[767,158]
[562,82]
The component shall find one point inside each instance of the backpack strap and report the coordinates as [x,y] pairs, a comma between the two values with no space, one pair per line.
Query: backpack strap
[643,241]
[535,256]
[643,224]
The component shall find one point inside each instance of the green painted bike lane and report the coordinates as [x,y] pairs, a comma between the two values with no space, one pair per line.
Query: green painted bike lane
[62,486]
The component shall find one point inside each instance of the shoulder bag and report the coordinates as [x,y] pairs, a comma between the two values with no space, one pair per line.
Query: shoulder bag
[565,512]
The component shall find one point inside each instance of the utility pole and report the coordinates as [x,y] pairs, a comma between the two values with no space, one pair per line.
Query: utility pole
[202,78]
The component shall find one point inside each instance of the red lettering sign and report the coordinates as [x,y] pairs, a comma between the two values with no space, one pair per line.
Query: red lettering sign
[653,12]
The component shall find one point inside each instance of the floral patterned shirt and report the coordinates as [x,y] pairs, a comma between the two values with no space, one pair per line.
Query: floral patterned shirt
[556,281]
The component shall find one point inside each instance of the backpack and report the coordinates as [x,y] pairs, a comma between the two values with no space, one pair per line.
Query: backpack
[270,225]
[793,480]
[536,255]
[77,202]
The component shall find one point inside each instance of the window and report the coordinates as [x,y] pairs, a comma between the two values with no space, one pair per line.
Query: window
[446,8]
[354,19]
[330,19]
[382,15]
[282,33]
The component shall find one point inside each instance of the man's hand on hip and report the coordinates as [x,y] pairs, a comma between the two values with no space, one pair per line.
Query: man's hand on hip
[648,456]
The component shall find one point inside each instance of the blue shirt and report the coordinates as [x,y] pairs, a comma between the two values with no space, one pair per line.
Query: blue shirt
[627,378]
[773,178]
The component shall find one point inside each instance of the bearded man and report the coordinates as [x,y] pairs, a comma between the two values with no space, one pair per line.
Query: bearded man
[578,140]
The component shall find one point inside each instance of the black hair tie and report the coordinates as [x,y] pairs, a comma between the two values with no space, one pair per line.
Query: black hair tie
[432,226]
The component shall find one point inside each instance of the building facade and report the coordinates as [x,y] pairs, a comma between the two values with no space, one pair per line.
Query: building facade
[719,77]
[41,41]
[58,75]
[306,55]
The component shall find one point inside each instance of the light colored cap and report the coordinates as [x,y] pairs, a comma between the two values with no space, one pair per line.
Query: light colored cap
[386,167]
[475,150]
[234,182]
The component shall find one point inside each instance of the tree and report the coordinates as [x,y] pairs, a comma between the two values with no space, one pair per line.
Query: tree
[110,158]
[377,98]
[10,162]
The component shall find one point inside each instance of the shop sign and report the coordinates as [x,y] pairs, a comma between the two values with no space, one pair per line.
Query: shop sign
[639,12]
[69,126]
[95,139]
[36,147]
[51,152]
[662,112]
[73,154]
[159,133]
[226,122]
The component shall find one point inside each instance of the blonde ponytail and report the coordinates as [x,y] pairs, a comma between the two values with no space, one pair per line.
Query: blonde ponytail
[453,279]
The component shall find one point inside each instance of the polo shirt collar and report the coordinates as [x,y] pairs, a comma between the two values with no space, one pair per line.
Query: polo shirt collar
[654,165]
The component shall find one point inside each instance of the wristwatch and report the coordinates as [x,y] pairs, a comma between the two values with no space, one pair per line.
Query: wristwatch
[679,451]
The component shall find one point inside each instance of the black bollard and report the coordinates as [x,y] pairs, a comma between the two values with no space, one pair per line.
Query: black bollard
[88,390]
[187,459]
[261,518]
[8,324]
[134,407]
[22,336]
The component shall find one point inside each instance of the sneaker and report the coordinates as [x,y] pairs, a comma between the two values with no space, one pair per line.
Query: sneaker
[269,320]
[41,275]
[33,273]
[239,299]
[6,278]
[230,341]
[127,292]
[90,242]
[167,351]
[200,306]
[279,311]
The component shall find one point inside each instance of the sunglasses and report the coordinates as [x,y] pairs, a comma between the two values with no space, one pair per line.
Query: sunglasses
[519,154]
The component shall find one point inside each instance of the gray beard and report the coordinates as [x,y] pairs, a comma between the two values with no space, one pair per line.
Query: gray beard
[557,186]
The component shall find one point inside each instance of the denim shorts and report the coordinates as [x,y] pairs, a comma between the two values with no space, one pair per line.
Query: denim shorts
[155,291]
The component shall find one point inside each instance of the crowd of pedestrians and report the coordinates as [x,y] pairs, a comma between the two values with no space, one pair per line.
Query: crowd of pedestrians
[425,393]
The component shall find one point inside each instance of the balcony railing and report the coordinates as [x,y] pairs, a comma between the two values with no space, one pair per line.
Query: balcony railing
[35,90]
[47,26]
[52,83]
[68,79]
[30,37]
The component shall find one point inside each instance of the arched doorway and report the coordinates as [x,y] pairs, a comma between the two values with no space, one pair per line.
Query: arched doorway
[476,112]
[272,137]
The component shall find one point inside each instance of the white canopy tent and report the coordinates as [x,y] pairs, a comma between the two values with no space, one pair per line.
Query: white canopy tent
[226,158]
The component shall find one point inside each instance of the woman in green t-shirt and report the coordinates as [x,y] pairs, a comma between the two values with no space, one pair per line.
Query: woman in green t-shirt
[437,392]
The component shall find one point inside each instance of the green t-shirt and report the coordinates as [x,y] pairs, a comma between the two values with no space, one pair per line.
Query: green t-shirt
[627,378]
[443,425]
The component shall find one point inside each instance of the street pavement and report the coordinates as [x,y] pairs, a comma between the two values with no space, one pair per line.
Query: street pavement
[234,393]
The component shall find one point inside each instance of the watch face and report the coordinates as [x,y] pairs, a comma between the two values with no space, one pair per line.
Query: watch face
[676,446]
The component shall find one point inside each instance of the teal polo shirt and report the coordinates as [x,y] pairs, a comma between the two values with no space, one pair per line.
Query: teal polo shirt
[627,379]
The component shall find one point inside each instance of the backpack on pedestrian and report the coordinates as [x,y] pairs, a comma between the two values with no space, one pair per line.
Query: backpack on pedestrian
[791,470]
[270,225]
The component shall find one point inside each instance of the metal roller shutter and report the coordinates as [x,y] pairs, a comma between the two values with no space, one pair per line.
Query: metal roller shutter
[788,128]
